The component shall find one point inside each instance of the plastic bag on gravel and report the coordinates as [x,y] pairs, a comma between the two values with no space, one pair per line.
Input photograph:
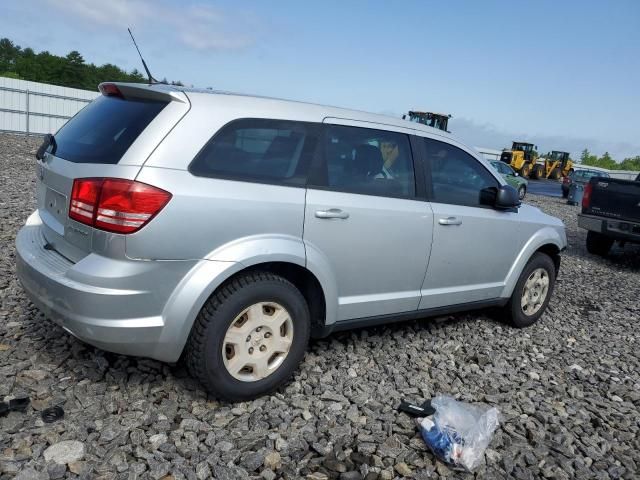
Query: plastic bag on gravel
[458,433]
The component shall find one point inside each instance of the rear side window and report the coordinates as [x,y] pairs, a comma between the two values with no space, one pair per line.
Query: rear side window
[105,129]
[270,151]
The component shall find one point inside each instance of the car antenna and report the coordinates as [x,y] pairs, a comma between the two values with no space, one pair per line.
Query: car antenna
[144,64]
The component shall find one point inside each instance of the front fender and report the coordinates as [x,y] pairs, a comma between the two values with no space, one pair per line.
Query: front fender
[542,237]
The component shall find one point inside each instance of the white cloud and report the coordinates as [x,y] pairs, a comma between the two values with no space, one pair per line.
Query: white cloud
[114,13]
[200,27]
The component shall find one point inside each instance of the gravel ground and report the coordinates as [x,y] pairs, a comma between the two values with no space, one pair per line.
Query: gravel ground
[568,388]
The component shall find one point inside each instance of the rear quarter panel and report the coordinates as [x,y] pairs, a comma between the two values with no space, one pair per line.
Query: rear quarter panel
[217,219]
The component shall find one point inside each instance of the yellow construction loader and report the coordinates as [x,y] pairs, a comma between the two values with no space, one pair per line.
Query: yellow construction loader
[522,157]
[556,164]
[435,120]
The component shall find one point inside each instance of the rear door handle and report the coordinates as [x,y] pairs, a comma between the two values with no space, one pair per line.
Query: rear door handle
[332,213]
[450,221]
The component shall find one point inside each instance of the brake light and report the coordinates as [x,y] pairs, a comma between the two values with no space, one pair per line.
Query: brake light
[586,196]
[110,90]
[114,204]
[84,197]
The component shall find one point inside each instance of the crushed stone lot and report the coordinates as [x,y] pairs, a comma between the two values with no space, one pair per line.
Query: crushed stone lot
[568,388]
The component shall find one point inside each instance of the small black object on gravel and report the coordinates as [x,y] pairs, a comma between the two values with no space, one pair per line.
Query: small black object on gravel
[51,414]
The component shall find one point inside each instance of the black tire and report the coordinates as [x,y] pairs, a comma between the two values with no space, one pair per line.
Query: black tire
[203,354]
[555,174]
[598,244]
[513,312]
[522,191]
[537,172]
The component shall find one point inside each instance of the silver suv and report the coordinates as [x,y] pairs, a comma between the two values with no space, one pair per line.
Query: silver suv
[228,229]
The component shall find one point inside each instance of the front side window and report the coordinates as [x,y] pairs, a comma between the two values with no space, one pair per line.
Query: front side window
[271,151]
[457,177]
[367,161]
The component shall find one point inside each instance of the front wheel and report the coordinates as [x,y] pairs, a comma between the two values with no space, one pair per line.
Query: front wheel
[522,191]
[532,292]
[249,337]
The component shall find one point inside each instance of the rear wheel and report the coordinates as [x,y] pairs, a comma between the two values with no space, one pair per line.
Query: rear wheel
[249,337]
[555,174]
[537,172]
[526,170]
[532,292]
[598,244]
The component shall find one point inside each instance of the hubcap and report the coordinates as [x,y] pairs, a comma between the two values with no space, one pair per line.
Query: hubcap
[535,291]
[257,341]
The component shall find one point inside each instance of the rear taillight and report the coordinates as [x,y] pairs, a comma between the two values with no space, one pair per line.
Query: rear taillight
[586,196]
[114,204]
[84,198]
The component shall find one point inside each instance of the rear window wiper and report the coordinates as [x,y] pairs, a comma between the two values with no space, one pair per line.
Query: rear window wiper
[49,141]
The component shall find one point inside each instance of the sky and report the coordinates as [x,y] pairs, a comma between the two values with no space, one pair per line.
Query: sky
[564,75]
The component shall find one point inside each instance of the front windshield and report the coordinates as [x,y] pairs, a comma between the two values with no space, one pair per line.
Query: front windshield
[526,147]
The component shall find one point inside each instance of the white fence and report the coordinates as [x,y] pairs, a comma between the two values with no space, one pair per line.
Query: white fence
[38,108]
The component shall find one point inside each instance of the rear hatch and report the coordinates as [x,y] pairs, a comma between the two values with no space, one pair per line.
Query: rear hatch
[110,138]
[615,198]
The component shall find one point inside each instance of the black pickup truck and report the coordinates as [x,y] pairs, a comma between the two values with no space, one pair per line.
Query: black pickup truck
[610,212]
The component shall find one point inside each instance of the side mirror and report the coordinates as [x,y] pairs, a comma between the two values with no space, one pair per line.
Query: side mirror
[506,198]
[48,140]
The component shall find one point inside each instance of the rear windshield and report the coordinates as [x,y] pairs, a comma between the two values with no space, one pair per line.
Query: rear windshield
[103,130]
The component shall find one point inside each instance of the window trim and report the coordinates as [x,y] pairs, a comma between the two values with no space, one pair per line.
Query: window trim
[316,181]
[429,178]
[313,128]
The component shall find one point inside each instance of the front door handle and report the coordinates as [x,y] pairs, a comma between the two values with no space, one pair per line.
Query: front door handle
[332,213]
[450,221]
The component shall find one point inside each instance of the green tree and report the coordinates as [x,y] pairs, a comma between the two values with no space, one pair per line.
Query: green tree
[631,164]
[75,72]
[68,71]
[586,158]
[607,162]
[8,55]
[11,75]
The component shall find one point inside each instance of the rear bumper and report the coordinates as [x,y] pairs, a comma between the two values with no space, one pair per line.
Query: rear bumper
[120,305]
[611,227]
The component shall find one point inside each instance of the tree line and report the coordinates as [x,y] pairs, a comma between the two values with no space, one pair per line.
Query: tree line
[606,161]
[68,71]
